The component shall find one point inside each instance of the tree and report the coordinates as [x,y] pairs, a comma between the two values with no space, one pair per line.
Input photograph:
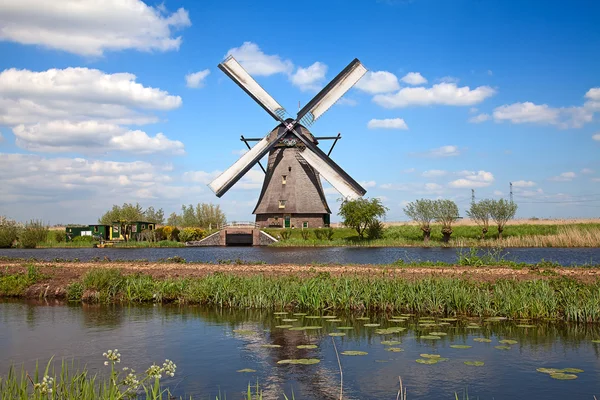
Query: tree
[445,212]
[501,211]
[188,216]
[361,213]
[480,213]
[210,215]
[124,216]
[423,212]
[173,220]
[156,217]
[8,232]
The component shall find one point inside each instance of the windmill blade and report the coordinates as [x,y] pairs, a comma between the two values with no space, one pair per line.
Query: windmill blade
[227,179]
[331,93]
[333,174]
[238,74]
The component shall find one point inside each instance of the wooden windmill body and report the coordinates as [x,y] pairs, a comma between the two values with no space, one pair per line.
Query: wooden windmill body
[292,194]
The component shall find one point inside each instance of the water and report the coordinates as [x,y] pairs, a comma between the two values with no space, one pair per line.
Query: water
[307,255]
[207,351]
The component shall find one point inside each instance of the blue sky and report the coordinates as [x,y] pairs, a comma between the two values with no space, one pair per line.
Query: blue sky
[123,101]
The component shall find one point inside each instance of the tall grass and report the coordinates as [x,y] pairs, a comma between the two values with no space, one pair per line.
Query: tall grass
[13,285]
[558,298]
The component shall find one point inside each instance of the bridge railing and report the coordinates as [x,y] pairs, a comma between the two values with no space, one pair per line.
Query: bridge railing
[239,224]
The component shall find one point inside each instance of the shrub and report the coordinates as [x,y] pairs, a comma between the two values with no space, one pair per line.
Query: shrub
[159,234]
[319,233]
[175,234]
[83,239]
[34,233]
[328,233]
[191,234]
[305,234]
[375,230]
[8,234]
[58,236]
[168,232]
[286,234]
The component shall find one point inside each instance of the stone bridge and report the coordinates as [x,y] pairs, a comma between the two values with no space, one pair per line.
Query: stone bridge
[236,234]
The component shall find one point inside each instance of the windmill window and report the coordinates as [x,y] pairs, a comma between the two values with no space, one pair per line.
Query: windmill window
[283,179]
[281,203]
[305,224]
[289,169]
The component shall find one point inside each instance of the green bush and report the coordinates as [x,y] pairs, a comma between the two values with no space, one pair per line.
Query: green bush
[191,234]
[57,236]
[83,239]
[34,233]
[328,233]
[319,233]
[175,234]
[8,234]
[375,230]
[286,234]
[160,234]
[305,234]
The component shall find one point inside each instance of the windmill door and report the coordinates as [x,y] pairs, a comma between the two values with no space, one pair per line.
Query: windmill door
[287,221]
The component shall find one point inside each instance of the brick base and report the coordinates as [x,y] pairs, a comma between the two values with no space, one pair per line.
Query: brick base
[296,220]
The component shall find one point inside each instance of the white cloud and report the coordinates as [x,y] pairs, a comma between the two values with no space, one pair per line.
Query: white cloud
[201,176]
[196,79]
[347,102]
[433,187]
[587,171]
[444,151]
[91,27]
[434,173]
[449,79]
[81,109]
[258,63]
[596,137]
[367,184]
[310,78]
[390,123]
[439,94]
[490,72]
[564,177]
[473,110]
[523,184]
[479,118]
[473,180]
[498,193]
[414,78]
[378,82]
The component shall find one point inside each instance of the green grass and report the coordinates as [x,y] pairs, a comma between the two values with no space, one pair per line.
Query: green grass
[130,244]
[554,298]
[14,285]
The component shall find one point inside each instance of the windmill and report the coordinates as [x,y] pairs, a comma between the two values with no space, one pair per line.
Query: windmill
[292,194]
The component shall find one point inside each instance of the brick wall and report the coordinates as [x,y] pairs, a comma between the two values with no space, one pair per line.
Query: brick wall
[296,220]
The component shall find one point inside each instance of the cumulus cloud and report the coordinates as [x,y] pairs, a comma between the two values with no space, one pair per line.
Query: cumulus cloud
[477,119]
[596,137]
[564,177]
[472,179]
[434,173]
[448,94]
[89,27]
[374,82]
[587,171]
[414,78]
[310,78]
[201,176]
[444,151]
[367,184]
[84,110]
[415,188]
[392,123]
[257,63]
[253,179]
[196,79]
[523,184]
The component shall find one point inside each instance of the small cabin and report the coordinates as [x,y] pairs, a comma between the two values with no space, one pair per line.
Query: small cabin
[99,232]
[135,229]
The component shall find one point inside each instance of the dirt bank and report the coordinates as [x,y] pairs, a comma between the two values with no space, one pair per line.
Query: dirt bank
[58,276]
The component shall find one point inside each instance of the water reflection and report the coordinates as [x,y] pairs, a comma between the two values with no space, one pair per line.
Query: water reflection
[210,345]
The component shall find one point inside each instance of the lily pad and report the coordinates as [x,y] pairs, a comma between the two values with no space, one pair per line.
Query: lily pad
[444,323]
[426,325]
[313,317]
[333,320]
[596,341]
[525,326]
[425,355]
[305,328]
[307,346]
[407,315]
[397,320]
[548,370]
[495,319]
[427,320]
[448,319]
[472,327]
[281,313]
[299,314]
[389,331]
[475,363]
[428,361]
[301,361]
[460,346]
[289,320]
[399,317]
[571,370]
[482,340]
[390,342]
[344,328]
[329,316]
[429,337]
[508,341]
[371,325]
[562,376]
[438,333]
[246,370]
[394,349]
[363,318]
[502,347]
[337,334]
[284,326]
[243,332]
[271,346]
[354,353]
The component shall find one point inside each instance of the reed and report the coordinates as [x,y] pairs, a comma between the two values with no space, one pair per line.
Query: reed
[558,298]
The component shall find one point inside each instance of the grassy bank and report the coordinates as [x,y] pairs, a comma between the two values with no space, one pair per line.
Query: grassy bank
[118,245]
[526,235]
[546,295]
